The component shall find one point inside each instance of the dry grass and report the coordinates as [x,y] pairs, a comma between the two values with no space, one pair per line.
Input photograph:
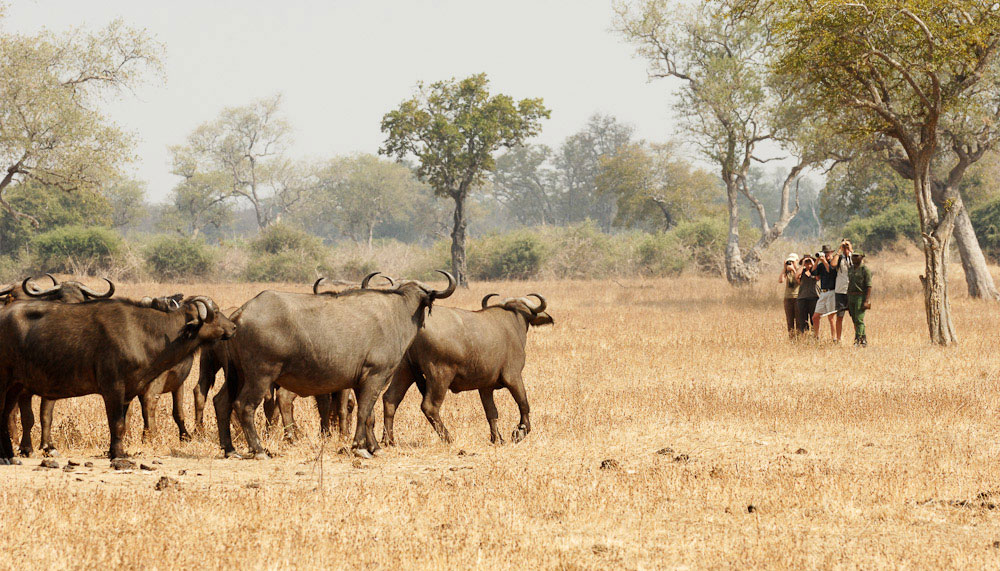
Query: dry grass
[894,438]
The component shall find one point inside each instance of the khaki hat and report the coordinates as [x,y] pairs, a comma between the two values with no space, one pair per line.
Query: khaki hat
[793,257]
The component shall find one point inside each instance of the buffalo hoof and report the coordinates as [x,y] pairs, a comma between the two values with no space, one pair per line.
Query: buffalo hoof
[262,455]
[50,453]
[234,455]
[15,462]
[24,453]
[185,437]
[6,461]
[378,453]
[362,453]
[518,435]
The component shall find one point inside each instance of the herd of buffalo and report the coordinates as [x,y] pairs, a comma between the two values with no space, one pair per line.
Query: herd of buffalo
[344,348]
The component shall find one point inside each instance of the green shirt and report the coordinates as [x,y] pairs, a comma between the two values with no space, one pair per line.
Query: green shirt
[859,279]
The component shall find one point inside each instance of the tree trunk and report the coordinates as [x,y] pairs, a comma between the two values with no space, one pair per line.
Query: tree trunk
[936,231]
[977,274]
[458,266]
[737,272]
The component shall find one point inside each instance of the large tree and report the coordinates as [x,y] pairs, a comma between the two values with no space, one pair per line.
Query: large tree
[246,145]
[454,128]
[726,102]
[917,74]
[52,91]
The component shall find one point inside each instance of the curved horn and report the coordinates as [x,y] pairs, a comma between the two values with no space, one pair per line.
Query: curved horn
[7,289]
[486,300]
[364,282]
[93,294]
[390,280]
[31,292]
[173,304]
[316,285]
[452,284]
[55,282]
[541,303]
[205,307]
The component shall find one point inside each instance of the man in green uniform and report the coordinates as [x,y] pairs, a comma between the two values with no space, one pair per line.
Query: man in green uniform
[859,291]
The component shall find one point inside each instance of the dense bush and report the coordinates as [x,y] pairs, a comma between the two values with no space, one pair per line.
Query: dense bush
[289,266]
[280,238]
[661,254]
[705,240]
[171,257]
[875,233]
[986,222]
[285,254]
[71,248]
[515,256]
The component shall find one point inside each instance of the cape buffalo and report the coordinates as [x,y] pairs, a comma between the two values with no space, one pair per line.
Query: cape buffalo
[460,350]
[113,348]
[65,292]
[318,344]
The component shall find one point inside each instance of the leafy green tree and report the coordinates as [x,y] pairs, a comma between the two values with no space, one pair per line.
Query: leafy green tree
[909,75]
[655,187]
[52,86]
[526,185]
[199,203]
[453,128]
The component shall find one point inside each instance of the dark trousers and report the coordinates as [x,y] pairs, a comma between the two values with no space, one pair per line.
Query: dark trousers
[791,309]
[806,307]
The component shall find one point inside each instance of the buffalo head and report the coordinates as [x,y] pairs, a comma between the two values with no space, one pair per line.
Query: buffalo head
[534,313]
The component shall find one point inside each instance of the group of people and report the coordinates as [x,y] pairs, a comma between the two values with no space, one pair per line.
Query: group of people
[827,284]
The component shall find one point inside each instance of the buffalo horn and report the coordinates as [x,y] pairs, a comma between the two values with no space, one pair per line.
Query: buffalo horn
[30,291]
[7,289]
[316,285]
[486,300]
[93,294]
[364,282]
[55,282]
[541,303]
[452,284]
[205,311]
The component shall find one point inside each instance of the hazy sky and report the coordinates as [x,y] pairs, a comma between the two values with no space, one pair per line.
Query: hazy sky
[341,65]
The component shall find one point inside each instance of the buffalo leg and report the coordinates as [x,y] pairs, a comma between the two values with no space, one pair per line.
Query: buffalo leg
[208,368]
[345,406]
[431,406]
[9,397]
[286,407]
[245,404]
[178,413]
[401,381]
[371,385]
[117,407]
[148,403]
[516,388]
[490,408]
[45,410]
[324,405]
[223,403]
[27,423]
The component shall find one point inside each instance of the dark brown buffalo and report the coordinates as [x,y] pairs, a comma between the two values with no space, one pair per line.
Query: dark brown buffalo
[319,344]
[460,350]
[114,348]
[65,292]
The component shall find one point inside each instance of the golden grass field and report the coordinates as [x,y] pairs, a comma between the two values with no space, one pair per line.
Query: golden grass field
[885,457]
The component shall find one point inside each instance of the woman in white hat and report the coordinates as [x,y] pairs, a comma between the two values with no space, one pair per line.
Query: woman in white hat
[787,277]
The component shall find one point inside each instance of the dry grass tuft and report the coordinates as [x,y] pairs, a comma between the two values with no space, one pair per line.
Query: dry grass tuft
[674,425]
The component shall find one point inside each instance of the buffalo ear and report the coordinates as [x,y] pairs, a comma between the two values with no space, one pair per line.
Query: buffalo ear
[541,319]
